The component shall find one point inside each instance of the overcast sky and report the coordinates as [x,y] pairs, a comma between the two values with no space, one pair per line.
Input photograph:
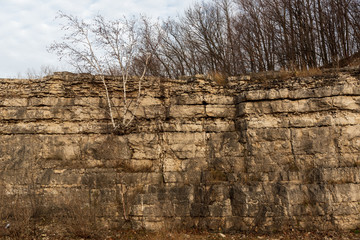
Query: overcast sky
[27,27]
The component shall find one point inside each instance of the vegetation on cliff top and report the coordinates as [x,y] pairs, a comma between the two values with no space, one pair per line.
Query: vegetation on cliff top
[234,37]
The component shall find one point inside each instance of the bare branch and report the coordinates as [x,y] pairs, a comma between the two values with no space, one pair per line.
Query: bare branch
[104,47]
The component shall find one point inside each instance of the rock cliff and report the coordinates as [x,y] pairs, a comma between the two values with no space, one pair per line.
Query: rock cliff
[258,153]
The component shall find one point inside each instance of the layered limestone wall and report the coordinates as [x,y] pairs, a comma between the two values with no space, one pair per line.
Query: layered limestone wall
[259,153]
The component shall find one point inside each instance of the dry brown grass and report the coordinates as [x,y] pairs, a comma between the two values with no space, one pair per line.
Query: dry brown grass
[17,217]
[285,75]
[271,75]
[312,72]
[79,219]
[202,235]
[220,78]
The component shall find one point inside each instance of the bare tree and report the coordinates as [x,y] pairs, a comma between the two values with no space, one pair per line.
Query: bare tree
[227,36]
[104,47]
[32,73]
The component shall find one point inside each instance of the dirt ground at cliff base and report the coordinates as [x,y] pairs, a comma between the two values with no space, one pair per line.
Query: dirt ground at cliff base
[301,235]
[102,234]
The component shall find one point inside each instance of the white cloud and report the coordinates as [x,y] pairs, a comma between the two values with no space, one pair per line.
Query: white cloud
[27,27]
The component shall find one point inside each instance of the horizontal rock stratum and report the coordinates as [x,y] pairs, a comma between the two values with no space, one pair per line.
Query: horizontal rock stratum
[257,153]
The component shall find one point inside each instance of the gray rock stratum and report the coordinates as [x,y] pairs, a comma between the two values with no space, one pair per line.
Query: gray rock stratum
[256,154]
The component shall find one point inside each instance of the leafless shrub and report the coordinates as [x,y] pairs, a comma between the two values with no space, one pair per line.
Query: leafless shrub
[16,216]
[80,218]
[32,73]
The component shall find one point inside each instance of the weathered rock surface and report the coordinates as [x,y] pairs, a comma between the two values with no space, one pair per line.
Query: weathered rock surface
[253,155]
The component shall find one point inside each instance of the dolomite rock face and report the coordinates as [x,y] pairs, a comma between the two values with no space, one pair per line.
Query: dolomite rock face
[256,154]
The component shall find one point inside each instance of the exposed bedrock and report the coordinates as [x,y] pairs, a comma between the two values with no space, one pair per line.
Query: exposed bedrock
[256,154]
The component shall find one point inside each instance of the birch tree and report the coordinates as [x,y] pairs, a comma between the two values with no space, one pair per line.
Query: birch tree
[104,47]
